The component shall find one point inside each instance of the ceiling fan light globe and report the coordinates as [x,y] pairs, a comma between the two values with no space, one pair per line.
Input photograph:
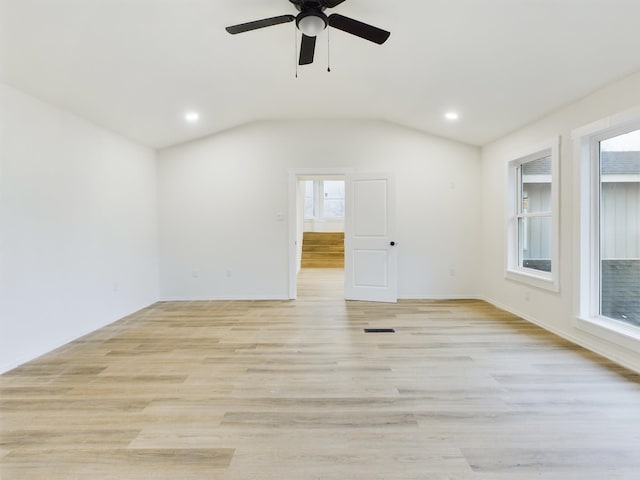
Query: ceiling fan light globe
[312,25]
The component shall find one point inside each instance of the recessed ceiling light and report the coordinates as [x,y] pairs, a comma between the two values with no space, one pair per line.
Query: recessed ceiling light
[451,116]
[192,117]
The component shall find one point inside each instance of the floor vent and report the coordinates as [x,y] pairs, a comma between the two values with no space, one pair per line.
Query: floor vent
[379,330]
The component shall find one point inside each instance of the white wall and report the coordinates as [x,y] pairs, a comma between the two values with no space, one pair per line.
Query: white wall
[78,227]
[556,312]
[324,225]
[220,200]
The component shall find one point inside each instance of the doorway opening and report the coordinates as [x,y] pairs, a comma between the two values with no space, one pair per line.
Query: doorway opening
[370,257]
[323,221]
[321,270]
[317,205]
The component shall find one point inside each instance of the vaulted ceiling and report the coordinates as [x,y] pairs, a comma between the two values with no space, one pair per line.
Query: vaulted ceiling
[136,66]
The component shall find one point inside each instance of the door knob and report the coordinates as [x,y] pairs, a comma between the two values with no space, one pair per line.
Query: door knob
[393,244]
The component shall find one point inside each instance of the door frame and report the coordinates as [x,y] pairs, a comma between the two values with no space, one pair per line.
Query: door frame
[293,174]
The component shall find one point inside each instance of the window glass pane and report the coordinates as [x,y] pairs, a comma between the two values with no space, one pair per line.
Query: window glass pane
[536,186]
[308,208]
[534,243]
[620,228]
[333,198]
[308,188]
[334,208]
[308,199]
[333,189]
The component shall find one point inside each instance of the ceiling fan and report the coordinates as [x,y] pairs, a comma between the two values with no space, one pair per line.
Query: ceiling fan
[311,21]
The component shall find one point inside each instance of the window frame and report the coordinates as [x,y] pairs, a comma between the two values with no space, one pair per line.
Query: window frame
[513,271]
[587,160]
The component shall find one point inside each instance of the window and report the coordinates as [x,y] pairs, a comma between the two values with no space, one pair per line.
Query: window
[619,252]
[333,198]
[309,199]
[609,288]
[532,228]
[324,199]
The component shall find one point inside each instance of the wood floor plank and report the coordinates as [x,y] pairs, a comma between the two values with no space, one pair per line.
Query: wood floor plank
[75,463]
[296,389]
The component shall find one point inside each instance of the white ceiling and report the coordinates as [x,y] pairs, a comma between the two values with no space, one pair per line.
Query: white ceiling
[135,66]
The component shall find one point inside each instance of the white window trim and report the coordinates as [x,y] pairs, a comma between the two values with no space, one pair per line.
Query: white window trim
[587,191]
[544,280]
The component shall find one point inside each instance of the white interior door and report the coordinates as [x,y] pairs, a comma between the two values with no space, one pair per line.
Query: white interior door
[370,250]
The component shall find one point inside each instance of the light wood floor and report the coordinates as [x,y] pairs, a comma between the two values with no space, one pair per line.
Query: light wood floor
[296,390]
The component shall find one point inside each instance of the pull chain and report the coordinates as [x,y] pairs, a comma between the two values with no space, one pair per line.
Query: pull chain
[328,50]
[295,52]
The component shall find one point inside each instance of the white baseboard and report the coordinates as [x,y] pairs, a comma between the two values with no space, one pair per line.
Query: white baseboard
[61,342]
[231,298]
[443,296]
[584,343]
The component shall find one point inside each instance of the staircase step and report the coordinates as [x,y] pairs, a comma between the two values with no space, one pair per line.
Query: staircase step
[318,263]
[325,255]
[323,250]
[323,238]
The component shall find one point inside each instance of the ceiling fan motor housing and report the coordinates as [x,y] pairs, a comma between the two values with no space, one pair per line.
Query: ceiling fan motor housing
[311,22]
[304,5]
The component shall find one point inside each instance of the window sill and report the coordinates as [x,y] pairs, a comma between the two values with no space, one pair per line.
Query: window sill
[541,280]
[612,331]
[324,219]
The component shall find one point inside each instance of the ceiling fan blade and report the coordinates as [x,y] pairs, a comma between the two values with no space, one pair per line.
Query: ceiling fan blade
[265,22]
[359,29]
[332,3]
[307,50]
